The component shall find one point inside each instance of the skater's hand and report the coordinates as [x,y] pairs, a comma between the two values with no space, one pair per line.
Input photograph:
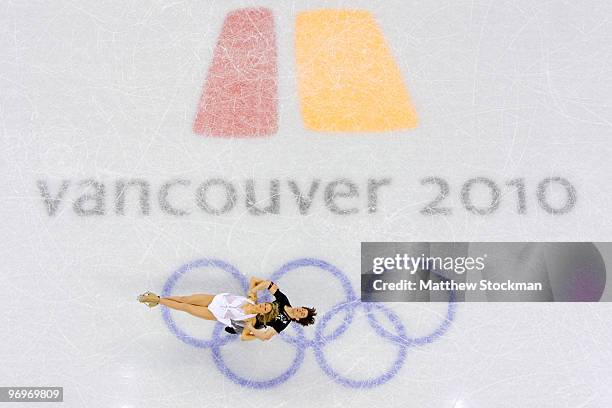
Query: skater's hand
[257,284]
[254,281]
[247,335]
[261,334]
[251,294]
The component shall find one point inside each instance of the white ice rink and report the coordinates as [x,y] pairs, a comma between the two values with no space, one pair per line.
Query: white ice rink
[94,94]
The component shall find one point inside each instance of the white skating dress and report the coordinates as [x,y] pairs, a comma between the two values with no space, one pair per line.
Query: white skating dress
[226,307]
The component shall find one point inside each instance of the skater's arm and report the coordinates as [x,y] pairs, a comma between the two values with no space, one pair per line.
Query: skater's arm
[257,284]
[272,288]
[261,334]
[247,335]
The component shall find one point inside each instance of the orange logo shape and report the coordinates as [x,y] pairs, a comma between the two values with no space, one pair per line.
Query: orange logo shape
[347,78]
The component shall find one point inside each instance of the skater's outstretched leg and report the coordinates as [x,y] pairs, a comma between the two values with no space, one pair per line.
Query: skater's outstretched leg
[199,299]
[198,311]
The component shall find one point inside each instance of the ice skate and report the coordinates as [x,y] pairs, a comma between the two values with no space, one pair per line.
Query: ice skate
[149,298]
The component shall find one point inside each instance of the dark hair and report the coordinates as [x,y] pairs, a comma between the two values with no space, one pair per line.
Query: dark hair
[309,319]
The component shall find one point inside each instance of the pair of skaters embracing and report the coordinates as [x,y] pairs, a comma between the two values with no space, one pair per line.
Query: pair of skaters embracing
[241,315]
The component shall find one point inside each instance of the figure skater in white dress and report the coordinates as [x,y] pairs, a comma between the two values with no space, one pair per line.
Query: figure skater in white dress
[234,311]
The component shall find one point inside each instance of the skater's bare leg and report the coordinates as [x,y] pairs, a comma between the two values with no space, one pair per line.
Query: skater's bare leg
[172,304]
[198,311]
[199,299]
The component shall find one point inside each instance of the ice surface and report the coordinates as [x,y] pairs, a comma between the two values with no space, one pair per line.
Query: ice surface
[100,93]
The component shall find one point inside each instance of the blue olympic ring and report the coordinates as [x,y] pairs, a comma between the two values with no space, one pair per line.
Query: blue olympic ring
[349,306]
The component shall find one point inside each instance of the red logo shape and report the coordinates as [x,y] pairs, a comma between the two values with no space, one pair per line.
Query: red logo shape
[240,92]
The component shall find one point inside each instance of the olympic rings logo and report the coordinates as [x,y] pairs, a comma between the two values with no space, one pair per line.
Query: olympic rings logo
[398,336]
